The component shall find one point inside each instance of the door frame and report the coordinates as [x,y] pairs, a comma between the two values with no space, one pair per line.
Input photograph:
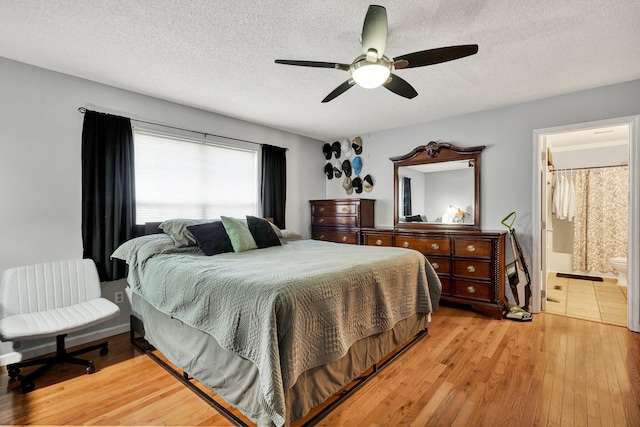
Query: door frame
[539,254]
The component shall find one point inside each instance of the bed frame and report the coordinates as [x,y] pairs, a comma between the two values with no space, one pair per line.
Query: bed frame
[137,337]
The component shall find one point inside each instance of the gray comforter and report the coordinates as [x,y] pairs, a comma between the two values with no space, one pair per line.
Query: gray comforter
[287,308]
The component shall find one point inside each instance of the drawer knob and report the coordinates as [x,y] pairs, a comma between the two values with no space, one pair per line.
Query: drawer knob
[471,289]
[344,220]
[321,209]
[405,245]
[379,242]
[435,246]
[321,220]
[471,269]
[345,209]
[344,238]
[471,248]
[322,237]
[435,265]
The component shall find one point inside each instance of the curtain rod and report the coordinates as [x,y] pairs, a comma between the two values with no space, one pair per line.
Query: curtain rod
[592,167]
[82,110]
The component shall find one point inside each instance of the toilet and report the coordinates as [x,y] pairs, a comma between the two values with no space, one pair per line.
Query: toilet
[620,265]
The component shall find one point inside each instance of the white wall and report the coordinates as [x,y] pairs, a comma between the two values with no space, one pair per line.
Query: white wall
[560,255]
[40,171]
[506,181]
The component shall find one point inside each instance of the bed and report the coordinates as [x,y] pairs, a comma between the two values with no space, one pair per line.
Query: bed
[277,330]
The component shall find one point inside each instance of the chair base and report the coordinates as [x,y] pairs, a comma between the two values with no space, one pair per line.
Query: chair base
[61,356]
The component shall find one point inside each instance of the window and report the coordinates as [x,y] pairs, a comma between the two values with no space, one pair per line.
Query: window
[178,177]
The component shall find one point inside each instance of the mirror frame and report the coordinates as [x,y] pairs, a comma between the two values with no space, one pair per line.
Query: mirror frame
[436,152]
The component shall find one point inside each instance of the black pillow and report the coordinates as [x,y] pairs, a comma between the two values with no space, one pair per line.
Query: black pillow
[211,237]
[262,232]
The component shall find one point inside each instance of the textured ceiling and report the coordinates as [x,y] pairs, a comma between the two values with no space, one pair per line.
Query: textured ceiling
[219,56]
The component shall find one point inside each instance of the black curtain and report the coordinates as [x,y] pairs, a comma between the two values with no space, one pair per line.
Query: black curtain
[108,190]
[274,183]
[406,196]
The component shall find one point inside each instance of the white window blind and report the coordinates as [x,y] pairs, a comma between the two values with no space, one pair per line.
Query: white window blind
[182,178]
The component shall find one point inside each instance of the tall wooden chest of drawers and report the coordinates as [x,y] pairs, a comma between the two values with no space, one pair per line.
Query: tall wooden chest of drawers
[470,265]
[340,220]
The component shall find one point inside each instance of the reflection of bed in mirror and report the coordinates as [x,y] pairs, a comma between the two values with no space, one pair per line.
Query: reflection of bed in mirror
[438,186]
[437,192]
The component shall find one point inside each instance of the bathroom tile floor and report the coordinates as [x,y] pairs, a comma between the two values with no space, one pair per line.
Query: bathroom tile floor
[604,302]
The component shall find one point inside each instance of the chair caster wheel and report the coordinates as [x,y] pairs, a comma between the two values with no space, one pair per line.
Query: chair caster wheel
[13,372]
[104,351]
[27,386]
[91,369]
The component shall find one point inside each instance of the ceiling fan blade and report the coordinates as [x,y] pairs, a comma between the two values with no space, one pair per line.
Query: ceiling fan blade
[434,56]
[374,31]
[400,87]
[339,90]
[317,64]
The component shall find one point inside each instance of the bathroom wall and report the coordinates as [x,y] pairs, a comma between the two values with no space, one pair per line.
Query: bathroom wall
[560,257]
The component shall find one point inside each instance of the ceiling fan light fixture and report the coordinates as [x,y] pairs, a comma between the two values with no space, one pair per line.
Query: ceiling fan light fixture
[373,69]
[370,75]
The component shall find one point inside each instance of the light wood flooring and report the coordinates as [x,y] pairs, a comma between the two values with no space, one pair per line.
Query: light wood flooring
[469,371]
[585,299]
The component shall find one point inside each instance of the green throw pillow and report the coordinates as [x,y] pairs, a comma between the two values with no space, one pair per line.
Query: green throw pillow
[239,234]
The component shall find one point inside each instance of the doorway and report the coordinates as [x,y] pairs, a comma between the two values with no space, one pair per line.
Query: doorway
[594,148]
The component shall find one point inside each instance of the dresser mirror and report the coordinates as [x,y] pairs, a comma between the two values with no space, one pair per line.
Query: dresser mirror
[437,186]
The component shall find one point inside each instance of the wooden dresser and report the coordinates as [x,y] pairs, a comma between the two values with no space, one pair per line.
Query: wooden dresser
[340,220]
[470,264]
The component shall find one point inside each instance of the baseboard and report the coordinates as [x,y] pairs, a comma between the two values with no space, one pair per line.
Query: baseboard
[71,341]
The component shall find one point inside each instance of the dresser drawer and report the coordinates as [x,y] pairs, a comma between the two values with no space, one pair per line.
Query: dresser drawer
[472,268]
[440,265]
[428,246]
[330,209]
[472,248]
[446,285]
[351,221]
[378,240]
[332,236]
[472,290]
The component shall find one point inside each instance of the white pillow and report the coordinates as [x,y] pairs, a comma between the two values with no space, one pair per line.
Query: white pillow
[177,229]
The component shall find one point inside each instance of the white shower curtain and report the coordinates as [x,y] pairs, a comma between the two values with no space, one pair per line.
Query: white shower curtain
[601,217]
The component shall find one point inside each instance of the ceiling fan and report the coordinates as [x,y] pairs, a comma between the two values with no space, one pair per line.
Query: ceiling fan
[373,69]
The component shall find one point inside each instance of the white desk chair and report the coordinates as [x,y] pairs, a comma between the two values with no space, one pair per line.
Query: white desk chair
[52,299]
